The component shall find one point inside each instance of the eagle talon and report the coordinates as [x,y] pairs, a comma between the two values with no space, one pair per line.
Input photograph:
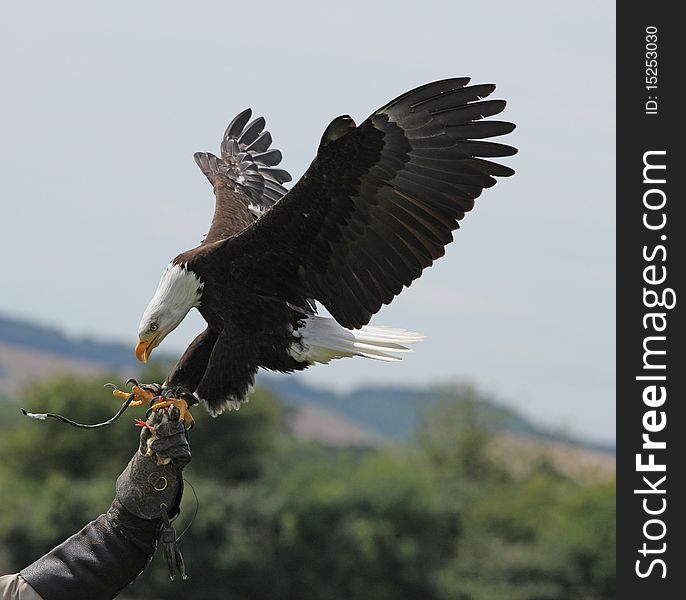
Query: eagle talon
[184,411]
[143,393]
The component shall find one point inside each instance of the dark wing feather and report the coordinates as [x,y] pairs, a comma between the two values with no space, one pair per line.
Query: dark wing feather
[230,373]
[379,202]
[190,369]
[245,184]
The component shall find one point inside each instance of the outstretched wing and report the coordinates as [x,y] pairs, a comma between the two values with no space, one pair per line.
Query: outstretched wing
[244,179]
[379,202]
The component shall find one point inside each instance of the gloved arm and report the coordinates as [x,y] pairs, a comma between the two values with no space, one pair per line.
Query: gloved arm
[108,553]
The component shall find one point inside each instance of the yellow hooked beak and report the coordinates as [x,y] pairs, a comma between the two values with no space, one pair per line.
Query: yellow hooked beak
[144,349]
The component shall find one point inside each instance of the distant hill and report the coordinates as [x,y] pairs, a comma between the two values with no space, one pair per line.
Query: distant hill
[29,351]
[394,413]
[23,334]
[365,415]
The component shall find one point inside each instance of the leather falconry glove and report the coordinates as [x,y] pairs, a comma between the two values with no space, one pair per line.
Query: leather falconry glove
[108,553]
[151,484]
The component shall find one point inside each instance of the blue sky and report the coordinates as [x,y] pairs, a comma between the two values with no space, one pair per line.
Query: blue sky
[104,104]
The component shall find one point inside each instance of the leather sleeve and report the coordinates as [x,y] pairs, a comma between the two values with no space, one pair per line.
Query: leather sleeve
[97,562]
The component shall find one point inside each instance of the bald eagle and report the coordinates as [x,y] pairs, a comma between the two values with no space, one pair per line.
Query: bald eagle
[375,208]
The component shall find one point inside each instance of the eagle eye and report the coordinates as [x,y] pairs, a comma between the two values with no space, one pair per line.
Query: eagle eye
[153,326]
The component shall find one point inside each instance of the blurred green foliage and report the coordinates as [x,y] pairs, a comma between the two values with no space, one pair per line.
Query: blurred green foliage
[440,518]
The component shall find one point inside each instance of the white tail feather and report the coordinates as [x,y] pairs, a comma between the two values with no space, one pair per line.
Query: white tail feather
[321,340]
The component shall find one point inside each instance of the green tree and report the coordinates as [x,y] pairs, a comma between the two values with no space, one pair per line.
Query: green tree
[441,518]
[55,478]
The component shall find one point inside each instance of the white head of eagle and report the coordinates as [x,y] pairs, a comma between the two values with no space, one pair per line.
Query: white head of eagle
[179,290]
